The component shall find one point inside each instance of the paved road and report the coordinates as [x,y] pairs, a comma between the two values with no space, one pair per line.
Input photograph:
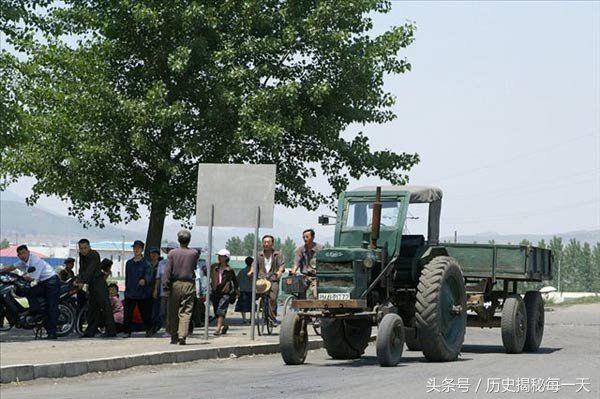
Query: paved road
[571,351]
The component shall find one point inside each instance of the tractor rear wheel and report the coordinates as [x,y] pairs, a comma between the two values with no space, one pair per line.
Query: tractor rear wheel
[411,339]
[534,307]
[513,324]
[441,309]
[345,339]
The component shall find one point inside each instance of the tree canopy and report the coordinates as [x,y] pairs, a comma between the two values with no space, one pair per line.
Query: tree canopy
[113,104]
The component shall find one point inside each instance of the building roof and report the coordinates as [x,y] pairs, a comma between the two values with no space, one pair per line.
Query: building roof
[418,194]
[11,252]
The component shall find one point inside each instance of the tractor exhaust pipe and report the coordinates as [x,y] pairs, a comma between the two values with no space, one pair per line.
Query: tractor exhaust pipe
[376,225]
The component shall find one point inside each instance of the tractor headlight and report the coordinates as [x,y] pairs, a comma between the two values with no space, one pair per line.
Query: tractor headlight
[368,262]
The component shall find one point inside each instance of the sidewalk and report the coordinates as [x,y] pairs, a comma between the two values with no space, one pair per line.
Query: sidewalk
[23,358]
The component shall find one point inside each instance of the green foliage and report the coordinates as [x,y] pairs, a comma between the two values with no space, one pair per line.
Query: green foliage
[243,247]
[4,243]
[123,116]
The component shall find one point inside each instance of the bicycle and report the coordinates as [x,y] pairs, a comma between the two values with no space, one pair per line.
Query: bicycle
[294,285]
[265,320]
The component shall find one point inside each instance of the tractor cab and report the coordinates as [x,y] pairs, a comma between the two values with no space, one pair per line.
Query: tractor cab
[369,237]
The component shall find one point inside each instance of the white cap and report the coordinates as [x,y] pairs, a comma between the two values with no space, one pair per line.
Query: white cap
[224,252]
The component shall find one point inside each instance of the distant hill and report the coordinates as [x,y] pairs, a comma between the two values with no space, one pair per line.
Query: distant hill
[22,223]
[590,236]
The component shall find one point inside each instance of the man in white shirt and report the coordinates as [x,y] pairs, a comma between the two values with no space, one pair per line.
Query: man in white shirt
[47,287]
[271,265]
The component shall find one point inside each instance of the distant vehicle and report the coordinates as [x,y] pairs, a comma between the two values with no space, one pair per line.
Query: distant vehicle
[414,288]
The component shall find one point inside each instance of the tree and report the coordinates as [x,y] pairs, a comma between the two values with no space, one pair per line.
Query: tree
[4,243]
[287,249]
[248,244]
[120,120]
[596,266]
[235,246]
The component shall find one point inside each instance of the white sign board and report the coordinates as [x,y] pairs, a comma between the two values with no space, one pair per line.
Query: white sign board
[236,191]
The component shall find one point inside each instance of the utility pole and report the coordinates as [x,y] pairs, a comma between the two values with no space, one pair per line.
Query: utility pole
[455,236]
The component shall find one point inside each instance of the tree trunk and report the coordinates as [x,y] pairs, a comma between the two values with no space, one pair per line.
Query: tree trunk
[155,227]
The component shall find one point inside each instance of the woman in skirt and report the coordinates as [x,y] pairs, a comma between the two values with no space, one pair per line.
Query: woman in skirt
[244,302]
[224,285]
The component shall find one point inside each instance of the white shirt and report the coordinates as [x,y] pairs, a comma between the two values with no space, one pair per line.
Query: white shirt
[43,271]
[160,272]
[268,263]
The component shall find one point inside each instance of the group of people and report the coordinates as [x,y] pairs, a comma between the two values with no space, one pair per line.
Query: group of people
[163,290]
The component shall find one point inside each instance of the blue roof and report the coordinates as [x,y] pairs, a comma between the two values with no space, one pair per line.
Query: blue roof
[111,245]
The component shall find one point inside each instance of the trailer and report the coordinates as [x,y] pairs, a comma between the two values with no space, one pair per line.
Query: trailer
[416,290]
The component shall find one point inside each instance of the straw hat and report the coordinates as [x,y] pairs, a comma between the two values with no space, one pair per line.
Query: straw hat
[262,285]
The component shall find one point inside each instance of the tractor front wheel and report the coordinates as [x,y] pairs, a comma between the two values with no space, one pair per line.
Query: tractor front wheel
[293,339]
[390,340]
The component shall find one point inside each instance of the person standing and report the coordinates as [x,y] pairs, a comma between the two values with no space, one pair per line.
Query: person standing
[244,301]
[155,259]
[47,287]
[303,262]
[159,294]
[271,265]
[138,289]
[99,308]
[223,284]
[181,287]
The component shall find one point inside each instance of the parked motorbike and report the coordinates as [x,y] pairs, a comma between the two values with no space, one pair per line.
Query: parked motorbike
[14,306]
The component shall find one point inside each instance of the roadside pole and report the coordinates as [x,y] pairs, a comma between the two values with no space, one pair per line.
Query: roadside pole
[254,274]
[208,264]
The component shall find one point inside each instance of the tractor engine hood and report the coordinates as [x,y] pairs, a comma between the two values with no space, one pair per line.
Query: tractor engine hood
[344,255]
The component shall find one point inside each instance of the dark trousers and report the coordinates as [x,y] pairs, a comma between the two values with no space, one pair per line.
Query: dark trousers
[47,289]
[99,308]
[145,307]
[156,315]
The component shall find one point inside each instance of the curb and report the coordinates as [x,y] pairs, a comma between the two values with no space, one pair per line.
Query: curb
[26,372]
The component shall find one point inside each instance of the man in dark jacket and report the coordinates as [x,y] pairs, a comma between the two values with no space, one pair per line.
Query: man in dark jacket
[99,308]
[138,290]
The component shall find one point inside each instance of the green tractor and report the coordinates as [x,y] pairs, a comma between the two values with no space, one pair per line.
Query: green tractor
[415,290]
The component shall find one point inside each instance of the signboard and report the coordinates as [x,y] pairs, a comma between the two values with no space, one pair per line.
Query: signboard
[236,191]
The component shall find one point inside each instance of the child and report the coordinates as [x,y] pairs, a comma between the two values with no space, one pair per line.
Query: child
[244,303]
[117,306]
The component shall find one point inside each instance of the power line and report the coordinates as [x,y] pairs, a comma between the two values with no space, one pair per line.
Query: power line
[544,150]
[538,186]
[511,217]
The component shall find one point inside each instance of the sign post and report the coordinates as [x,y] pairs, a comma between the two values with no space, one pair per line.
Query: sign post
[254,274]
[233,195]
[208,263]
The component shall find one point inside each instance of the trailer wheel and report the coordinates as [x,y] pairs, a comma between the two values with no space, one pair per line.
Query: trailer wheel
[534,307]
[293,339]
[441,309]
[390,340]
[513,324]
[345,339]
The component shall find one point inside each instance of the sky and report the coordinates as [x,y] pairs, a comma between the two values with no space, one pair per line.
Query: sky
[503,107]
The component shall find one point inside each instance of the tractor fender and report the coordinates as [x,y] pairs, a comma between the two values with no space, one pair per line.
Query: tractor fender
[432,252]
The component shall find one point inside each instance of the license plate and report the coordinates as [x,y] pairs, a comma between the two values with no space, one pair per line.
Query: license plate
[334,296]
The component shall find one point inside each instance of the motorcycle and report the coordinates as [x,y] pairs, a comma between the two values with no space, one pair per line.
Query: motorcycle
[14,306]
